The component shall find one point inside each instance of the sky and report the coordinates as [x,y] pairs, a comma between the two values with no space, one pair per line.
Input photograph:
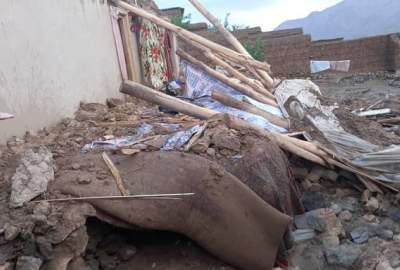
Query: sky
[265,13]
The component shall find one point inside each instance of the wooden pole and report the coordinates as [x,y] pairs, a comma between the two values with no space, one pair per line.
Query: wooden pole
[189,35]
[135,51]
[256,85]
[230,38]
[232,102]
[223,78]
[169,102]
[234,73]
[128,48]
[174,56]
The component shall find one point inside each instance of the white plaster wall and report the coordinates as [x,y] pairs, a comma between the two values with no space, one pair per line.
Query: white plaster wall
[53,54]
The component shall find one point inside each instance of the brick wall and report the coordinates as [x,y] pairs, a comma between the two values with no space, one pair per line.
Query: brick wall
[279,45]
[366,54]
[289,51]
[395,42]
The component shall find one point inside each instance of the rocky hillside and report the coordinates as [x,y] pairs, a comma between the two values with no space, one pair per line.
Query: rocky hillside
[351,19]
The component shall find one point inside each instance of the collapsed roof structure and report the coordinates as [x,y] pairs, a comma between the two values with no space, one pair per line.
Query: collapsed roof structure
[214,162]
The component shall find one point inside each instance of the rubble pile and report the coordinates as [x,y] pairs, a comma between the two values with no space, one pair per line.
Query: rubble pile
[338,221]
[228,171]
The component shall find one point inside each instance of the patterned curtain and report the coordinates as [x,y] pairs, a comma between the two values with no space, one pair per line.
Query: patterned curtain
[152,53]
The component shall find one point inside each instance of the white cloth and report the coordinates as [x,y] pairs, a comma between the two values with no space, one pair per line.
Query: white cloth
[319,66]
[4,116]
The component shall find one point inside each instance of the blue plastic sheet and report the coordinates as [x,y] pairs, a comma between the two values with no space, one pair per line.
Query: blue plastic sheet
[176,140]
[200,86]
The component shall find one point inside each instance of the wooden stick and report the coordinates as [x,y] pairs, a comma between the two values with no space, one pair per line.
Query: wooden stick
[285,144]
[394,120]
[230,38]
[189,35]
[237,86]
[169,102]
[115,173]
[129,197]
[232,102]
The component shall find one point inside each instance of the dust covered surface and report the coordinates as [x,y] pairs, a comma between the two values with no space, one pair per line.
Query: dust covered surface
[354,92]
[368,236]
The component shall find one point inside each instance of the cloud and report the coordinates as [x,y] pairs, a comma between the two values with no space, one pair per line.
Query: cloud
[270,16]
[265,13]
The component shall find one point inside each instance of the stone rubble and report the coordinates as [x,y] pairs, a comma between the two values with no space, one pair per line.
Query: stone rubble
[32,176]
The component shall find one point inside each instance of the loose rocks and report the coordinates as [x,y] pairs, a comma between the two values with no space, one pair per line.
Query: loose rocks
[32,176]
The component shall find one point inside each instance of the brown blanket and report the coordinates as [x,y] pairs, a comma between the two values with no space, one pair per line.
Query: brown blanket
[224,216]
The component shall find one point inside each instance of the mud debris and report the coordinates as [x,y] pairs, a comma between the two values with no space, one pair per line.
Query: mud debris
[358,229]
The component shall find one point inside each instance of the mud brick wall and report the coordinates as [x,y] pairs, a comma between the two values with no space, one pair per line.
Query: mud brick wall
[395,42]
[279,47]
[366,54]
[289,51]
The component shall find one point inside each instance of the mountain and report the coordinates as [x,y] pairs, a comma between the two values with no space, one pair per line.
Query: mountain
[351,19]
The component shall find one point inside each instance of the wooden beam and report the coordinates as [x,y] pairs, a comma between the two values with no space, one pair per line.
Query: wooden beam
[169,102]
[234,73]
[244,89]
[174,56]
[128,48]
[230,38]
[234,103]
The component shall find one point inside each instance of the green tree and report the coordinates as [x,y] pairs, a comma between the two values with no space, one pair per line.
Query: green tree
[255,49]
[183,21]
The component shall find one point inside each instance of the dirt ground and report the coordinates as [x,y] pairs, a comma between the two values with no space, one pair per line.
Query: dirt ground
[375,217]
[358,91]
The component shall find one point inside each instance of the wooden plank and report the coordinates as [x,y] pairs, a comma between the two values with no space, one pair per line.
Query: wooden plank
[135,53]
[124,27]
[174,56]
